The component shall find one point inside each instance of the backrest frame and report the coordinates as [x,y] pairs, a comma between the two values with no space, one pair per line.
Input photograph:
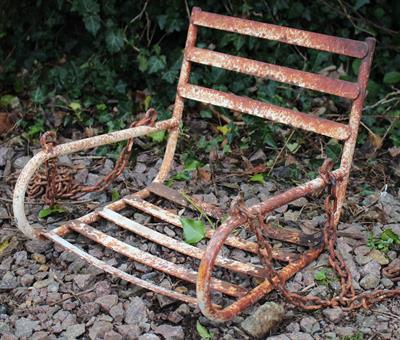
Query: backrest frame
[355,91]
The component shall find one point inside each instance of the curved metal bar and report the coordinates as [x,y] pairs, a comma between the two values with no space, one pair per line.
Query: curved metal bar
[207,264]
[64,149]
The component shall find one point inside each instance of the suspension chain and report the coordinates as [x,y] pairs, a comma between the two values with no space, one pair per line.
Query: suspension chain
[59,182]
[347,298]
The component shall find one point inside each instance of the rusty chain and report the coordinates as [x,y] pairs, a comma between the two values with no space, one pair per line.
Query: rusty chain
[347,298]
[58,182]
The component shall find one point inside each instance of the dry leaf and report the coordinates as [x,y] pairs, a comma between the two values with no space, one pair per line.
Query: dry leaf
[394,152]
[375,140]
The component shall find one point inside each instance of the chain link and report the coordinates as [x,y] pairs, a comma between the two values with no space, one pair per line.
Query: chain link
[347,298]
[58,182]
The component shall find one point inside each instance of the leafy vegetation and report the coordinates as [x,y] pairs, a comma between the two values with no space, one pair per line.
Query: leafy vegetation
[88,63]
[324,276]
[385,241]
[203,332]
[193,230]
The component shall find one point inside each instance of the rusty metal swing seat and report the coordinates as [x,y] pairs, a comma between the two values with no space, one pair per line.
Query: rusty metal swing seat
[347,133]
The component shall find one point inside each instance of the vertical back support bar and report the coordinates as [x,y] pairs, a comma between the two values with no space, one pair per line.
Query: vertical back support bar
[179,104]
[354,123]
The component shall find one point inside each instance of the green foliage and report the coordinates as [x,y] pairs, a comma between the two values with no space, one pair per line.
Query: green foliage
[203,332]
[356,336]
[98,53]
[257,178]
[193,230]
[385,241]
[55,209]
[323,276]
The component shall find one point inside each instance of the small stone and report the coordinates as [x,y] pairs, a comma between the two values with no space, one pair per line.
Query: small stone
[370,281]
[41,335]
[345,331]
[27,280]
[266,317]
[102,288]
[309,325]
[4,154]
[25,327]
[149,336]
[20,258]
[83,281]
[20,162]
[106,302]
[74,331]
[170,332]
[117,312]
[88,310]
[387,283]
[43,283]
[39,258]
[37,246]
[333,314]
[8,337]
[300,202]
[135,311]
[293,327]
[112,335]
[99,329]
[372,267]
[4,213]
[9,281]
[362,250]
[292,336]
[129,331]
[291,215]
[379,257]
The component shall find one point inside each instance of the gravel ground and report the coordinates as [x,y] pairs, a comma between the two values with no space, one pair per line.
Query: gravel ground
[47,293]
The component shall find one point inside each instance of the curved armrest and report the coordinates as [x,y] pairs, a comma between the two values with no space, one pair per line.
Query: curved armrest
[64,149]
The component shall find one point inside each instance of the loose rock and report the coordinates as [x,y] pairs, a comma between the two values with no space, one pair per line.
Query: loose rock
[263,320]
[170,332]
[136,311]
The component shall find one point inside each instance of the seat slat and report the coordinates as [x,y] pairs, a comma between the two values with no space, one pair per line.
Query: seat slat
[275,113]
[231,241]
[51,235]
[323,42]
[278,73]
[179,246]
[152,261]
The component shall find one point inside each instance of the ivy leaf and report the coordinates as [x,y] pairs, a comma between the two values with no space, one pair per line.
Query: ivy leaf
[55,209]
[143,64]
[203,332]
[75,106]
[320,275]
[115,195]
[170,76]
[360,3]
[85,6]
[192,165]
[224,129]
[193,230]
[257,178]
[391,77]
[158,136]
[38,96]
[206,114]
[293,147]
[92,23]
[114,41]
[156,63]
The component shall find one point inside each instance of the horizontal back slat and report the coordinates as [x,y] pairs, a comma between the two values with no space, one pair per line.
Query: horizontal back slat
[277,114]
[283,34]
[279,73]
